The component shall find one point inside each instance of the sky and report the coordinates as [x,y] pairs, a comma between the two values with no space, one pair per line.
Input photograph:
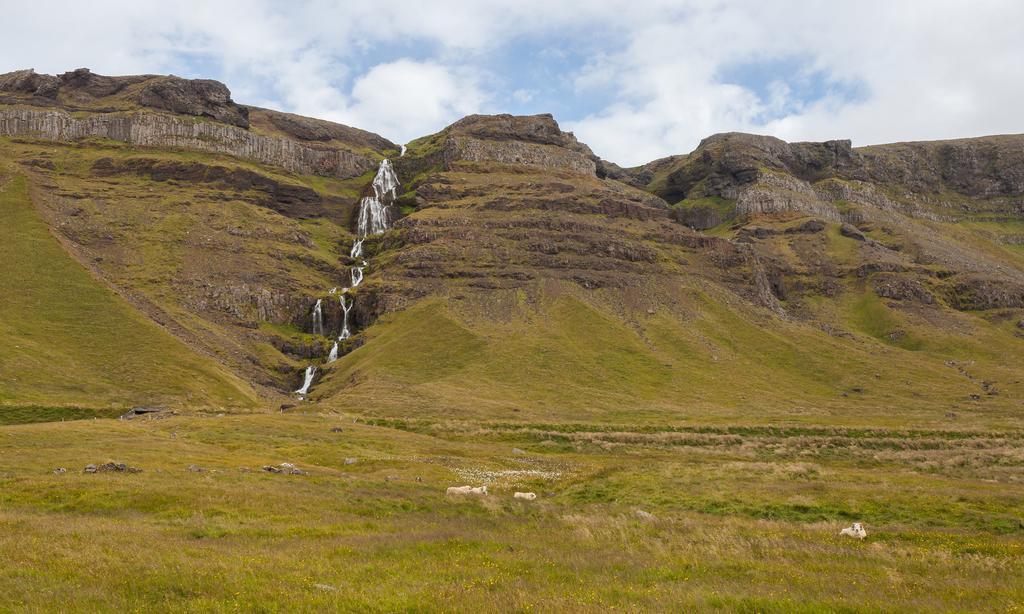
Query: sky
[634,79]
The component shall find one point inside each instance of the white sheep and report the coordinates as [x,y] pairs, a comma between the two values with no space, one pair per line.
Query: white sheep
[528,496]
[466,490]
[857,530]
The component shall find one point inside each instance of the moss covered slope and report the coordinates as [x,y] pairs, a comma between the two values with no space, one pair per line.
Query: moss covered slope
[67,340]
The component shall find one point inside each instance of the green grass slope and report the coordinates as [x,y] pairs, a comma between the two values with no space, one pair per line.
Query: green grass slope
[712,361]
[65,340]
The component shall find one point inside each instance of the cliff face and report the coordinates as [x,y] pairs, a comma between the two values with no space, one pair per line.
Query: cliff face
[159,130]
[512,206]
[84,90]
[725,165]
[168,111]
[534,141]
[317,132]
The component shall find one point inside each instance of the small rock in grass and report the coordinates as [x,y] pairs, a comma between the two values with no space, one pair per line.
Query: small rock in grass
[642,515]
[351,461]
[111,467]
[60,470]
[337,429]
[848,230]
[195,469]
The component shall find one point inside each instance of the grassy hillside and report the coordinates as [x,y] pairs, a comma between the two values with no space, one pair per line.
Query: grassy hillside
[67,340]
[720,363]
[205,242]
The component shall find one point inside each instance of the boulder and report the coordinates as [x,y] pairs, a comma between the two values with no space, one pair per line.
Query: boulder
[977,292]
[894,286]
[30,82]
[198,97]
[849,230]
[111,467]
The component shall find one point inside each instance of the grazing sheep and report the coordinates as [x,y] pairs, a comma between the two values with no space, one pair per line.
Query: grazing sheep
[529,496]
[466,490]
[857,530]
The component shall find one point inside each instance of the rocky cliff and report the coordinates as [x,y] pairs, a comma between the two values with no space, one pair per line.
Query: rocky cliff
[159,130]
[84,90]
[499,217]
[155,111]
[533,141]
[728,165]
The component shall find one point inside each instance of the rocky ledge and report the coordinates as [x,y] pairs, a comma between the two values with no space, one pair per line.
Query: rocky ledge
[82,89]
[533,140]
[161,130]
[168,111]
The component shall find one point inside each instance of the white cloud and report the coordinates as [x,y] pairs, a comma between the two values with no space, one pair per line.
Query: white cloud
[930,70]
[935,69]
[522,96]
[407,99]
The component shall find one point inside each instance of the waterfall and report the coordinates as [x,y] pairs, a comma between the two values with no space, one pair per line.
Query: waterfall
[373,216]
[318,317]
[345,308]
[402,155]
[307,382]
[374,212]
[386,182]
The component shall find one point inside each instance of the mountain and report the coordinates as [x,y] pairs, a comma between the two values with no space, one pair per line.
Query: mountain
[703,369]
[523,277]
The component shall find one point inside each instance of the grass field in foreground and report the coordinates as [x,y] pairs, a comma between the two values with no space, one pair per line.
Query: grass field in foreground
[744,519]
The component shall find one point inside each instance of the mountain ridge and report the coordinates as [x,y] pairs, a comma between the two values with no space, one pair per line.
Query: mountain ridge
[507,223]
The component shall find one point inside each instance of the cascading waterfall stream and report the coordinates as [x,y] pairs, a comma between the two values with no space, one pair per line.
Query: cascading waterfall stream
[307,381]
[318,317]
[374,218]
[345,308]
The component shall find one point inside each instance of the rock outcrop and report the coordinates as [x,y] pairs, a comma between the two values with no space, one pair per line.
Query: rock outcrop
[198,97]
[317,130]
[290,199]
[534,140]
[162,130]
[169,111]
[82,89]
[725,164]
